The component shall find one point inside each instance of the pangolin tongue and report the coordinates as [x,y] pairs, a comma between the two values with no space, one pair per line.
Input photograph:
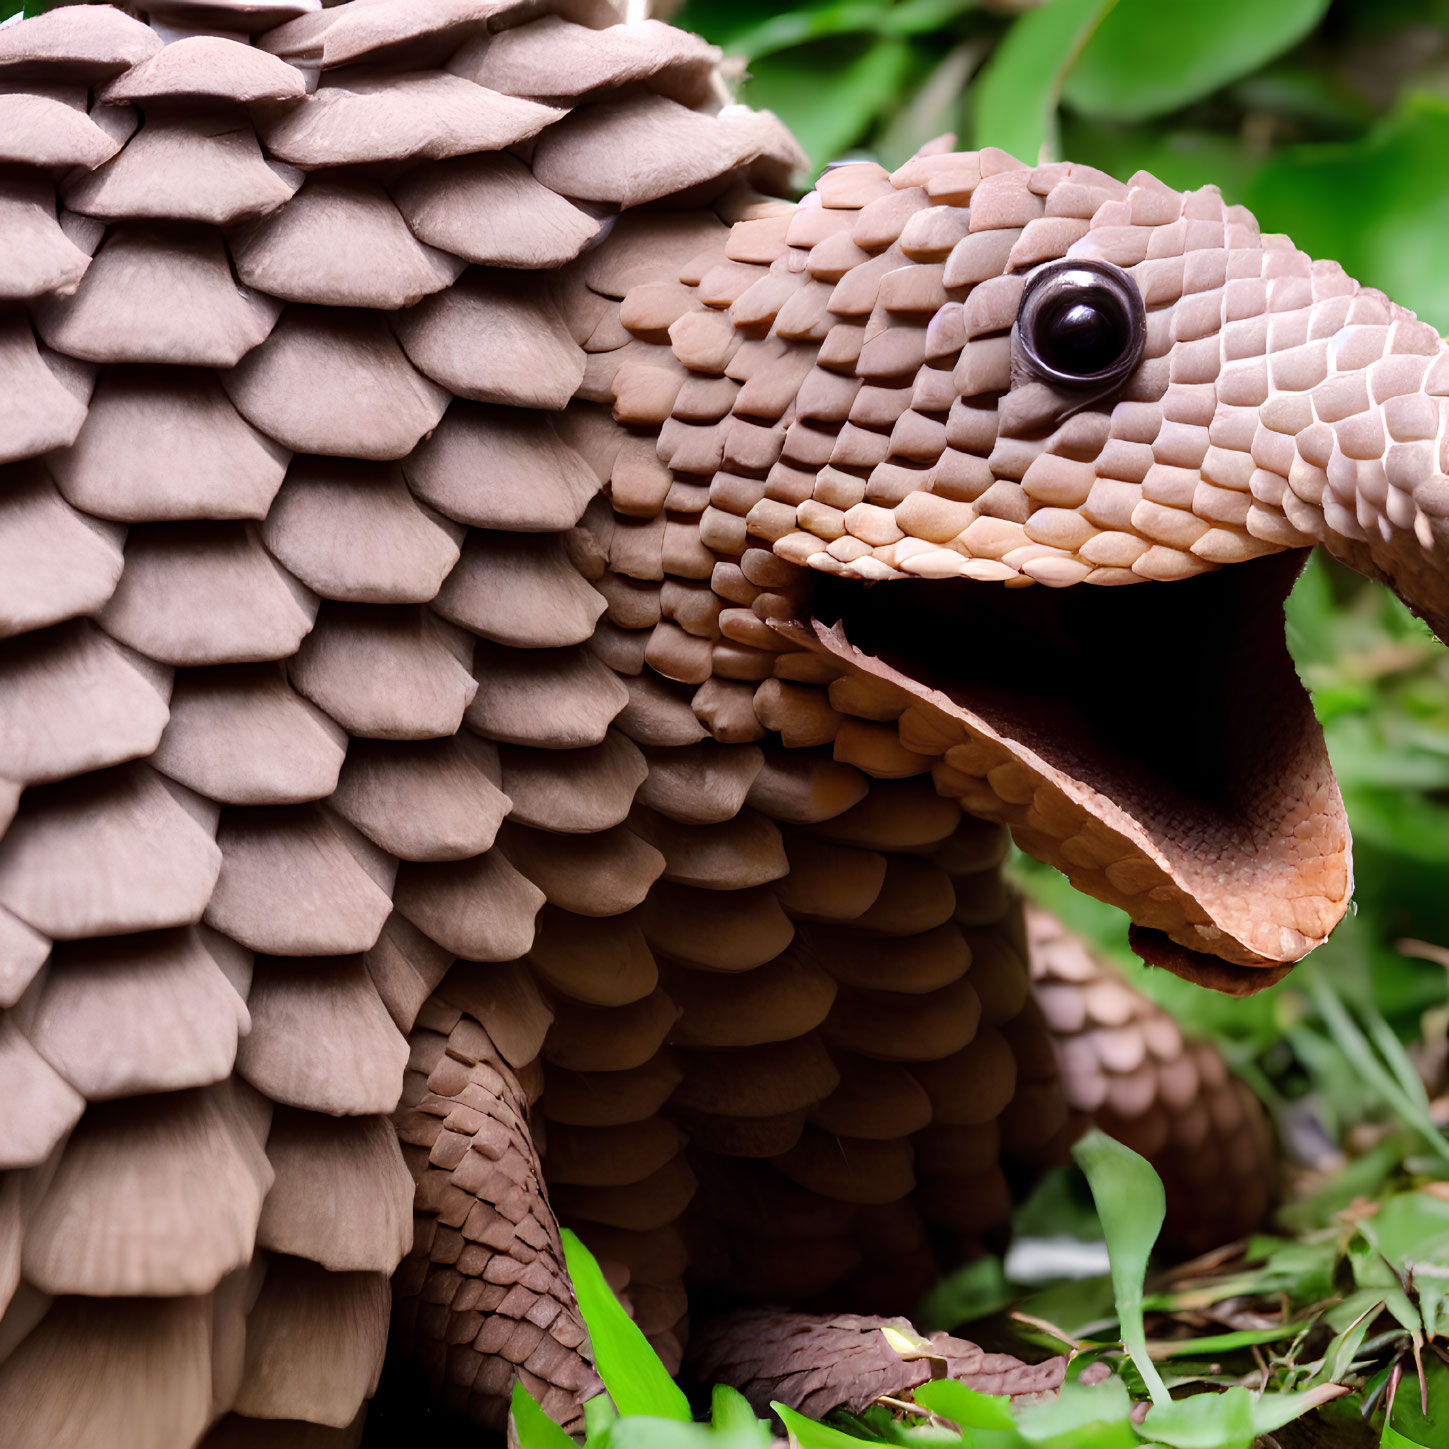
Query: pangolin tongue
[1159,949]
[1195,795]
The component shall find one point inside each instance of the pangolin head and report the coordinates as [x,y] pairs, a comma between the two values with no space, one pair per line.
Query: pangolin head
[1028,387]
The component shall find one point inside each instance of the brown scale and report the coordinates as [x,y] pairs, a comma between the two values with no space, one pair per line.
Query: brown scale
[526,797]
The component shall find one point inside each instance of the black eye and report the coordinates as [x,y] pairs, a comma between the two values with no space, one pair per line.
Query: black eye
[1081,323]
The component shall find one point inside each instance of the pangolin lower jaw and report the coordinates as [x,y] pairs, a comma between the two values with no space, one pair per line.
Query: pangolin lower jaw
[1199,799]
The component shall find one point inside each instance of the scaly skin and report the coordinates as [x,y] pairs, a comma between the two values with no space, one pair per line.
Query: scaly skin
[439,681]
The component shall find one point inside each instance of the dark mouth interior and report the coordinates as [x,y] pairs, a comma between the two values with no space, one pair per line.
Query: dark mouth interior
[1176,700]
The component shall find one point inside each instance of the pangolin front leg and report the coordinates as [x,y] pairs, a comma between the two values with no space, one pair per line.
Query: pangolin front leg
[484,1298]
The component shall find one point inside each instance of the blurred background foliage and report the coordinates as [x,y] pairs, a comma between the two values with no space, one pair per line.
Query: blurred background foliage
[1331,121]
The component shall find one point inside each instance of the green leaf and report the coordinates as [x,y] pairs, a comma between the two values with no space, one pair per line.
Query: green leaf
[1151,57]
[730,1414]
[1415,1428]
[1204,1421]
[1272,1411]
[600,1415]
[809,1434]
[1411,1228]
[878,1425]
[1215,1343]
[1371,1273]
[1132,1205]
[831,100]
[641,1431]
[534,1428]
[784,29]
[636,1380]
[1338,1357]
[964,1406]
[1017,91]
[1081,1418]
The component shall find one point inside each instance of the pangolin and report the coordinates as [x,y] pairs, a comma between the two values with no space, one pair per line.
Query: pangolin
[523,653]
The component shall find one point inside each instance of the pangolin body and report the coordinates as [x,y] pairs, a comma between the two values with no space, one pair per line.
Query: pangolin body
[511,627]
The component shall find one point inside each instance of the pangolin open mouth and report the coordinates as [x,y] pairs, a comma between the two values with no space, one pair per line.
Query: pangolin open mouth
[1169,714]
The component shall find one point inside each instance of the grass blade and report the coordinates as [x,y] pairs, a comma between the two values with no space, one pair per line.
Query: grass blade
[1351,1041]
[534,1428]
[636,1380]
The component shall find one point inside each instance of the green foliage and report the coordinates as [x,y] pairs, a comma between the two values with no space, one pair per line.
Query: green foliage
[1420,1417]
[1149,59]
[27,7]
[1018,89]
[535,1429]
[941,1414]
[1379,205]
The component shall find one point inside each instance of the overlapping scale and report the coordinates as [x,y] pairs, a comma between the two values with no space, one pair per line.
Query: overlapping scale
[389,725]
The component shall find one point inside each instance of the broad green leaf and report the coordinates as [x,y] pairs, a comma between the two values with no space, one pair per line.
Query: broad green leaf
[1204,1421]
[1349,1309]
[1374,1275]
[1017,91]
[1081,1418]
[1150,57]
[636,1380]
[1392,1439]
[964,1406]
[534,1428]
[1132,1205]
[1410,1228]
[1418,1430]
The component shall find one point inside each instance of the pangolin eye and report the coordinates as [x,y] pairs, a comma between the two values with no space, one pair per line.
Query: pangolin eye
[1081,324]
